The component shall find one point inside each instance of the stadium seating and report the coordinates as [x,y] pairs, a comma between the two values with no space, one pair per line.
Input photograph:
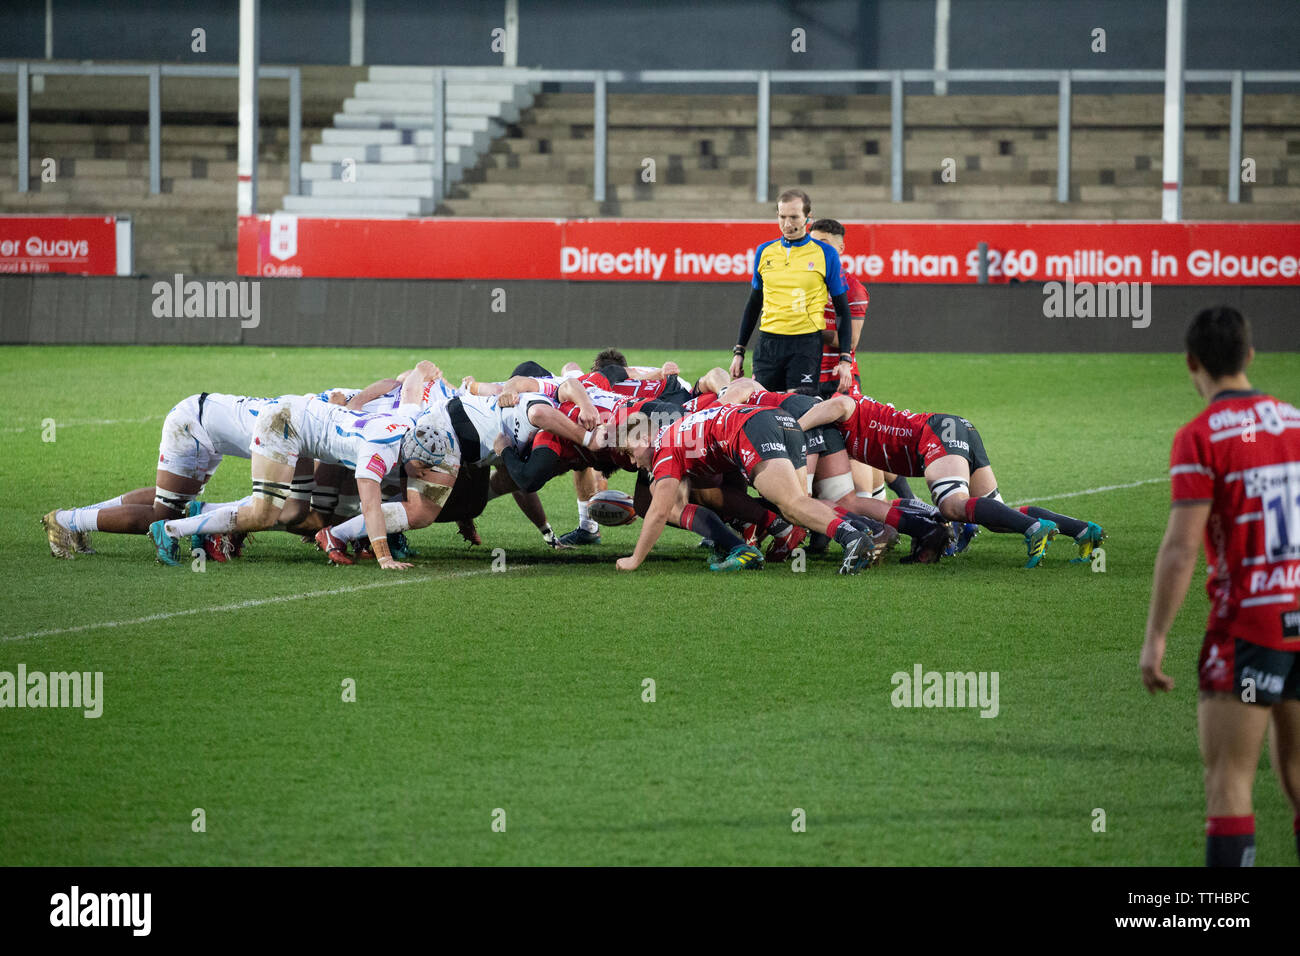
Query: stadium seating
[513,150]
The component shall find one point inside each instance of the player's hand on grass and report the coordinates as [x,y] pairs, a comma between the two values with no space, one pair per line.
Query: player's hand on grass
[627,564]
[846,376]
[1153,655]
[391,564]
[737,367]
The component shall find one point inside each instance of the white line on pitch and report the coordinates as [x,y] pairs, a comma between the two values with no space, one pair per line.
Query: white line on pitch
[1088,491]
[87,421]
[257,602]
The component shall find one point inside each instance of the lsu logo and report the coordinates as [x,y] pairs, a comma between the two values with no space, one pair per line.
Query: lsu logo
[376,464]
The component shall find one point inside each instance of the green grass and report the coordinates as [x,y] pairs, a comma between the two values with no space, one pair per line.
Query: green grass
[522,690]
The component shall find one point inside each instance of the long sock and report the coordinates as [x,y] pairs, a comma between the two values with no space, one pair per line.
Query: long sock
[853,519]
[996,516]
[1230,841]
[110,503]
[707,524]
[218,505]
[900,487]
[79,519]
[219,521]
[394,520]
[909,520]
[584,517]
[843,531]
[1071,526]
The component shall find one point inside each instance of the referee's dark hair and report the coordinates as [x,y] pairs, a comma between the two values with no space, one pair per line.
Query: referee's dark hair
[832,227]
[1219,338]
[792,194]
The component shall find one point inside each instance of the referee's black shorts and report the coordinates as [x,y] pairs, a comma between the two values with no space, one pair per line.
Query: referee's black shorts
[783,362]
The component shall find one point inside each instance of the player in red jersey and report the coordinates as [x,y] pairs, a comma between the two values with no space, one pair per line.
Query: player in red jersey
[831,232]
[763,445]
[1235,484]
[948,451]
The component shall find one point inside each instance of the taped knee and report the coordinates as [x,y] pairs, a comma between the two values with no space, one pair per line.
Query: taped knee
[996,496]
[300,488]
[171,500]
[834,488]
[274,492]
[945,487]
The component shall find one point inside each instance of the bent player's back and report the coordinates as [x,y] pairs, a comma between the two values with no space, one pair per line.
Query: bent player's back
[1242,454]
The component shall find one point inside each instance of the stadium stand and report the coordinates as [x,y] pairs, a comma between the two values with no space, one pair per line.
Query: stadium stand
[514,150]
[386,129]
[704,149]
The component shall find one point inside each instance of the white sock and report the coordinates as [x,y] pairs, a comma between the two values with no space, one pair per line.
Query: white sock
[395,519]
[79,519]
[584,518]
[220,505]
[220,521]
[110,503]
[348,531]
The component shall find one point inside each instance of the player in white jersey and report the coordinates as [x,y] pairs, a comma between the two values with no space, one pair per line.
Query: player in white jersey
[295,428]
[197,433]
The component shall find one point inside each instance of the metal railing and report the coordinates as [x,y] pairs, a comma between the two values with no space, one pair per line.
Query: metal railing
[763,80]
[155,74]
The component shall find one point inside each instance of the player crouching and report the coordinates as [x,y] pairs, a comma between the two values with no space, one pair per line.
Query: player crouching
[763,445]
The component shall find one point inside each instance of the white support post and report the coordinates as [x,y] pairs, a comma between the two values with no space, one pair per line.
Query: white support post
[246,191]
[1171,206]
[357,34]
[1234,139]
[763,157]
[49,29]
[439,150]
[942,14]
[511,53]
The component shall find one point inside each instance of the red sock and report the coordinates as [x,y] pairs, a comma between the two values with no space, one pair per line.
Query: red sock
[895,513]
[1023,509]
[1229,826]
[834,525]
[688,516]
[970,509]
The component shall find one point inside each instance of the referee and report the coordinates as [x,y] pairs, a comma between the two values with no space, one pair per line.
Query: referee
[793,278]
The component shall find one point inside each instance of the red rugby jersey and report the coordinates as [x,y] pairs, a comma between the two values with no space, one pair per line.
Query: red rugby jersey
[886,438]
[708,442]
[859,298]
[1242,454]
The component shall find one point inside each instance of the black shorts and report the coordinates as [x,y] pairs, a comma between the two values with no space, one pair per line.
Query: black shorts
[774,434]
[783,362]
[469,495]
[959,437]
[661,412]
[822,440]
[1251,672]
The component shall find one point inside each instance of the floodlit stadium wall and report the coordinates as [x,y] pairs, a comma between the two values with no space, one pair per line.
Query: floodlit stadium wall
[520,314]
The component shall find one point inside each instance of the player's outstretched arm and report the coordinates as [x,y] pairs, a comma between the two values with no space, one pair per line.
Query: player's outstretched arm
[837,408]
[372,506]
[371,392]
[662,499]
[1175,565]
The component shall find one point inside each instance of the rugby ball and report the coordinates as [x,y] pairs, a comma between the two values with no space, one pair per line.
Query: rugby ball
[611,508]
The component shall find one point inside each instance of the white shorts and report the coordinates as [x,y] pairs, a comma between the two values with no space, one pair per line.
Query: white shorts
[185,449]
[278,433]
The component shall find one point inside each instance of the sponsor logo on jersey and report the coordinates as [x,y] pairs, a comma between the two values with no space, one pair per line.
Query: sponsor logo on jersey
[1268,683]
[377,465]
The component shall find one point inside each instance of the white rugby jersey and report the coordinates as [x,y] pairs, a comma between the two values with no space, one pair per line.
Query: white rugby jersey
[229,421]
[490,420]
[369,443]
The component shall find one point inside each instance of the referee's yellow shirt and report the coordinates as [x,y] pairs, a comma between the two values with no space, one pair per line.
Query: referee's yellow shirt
[796,279]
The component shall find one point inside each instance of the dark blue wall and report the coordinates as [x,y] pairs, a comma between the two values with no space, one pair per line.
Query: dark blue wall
[699,34]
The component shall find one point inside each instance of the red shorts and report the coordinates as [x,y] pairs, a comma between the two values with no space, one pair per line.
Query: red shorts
[1252,672]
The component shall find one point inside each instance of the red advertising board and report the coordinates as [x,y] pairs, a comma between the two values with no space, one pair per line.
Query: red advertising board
[78,245]
[1194,253]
